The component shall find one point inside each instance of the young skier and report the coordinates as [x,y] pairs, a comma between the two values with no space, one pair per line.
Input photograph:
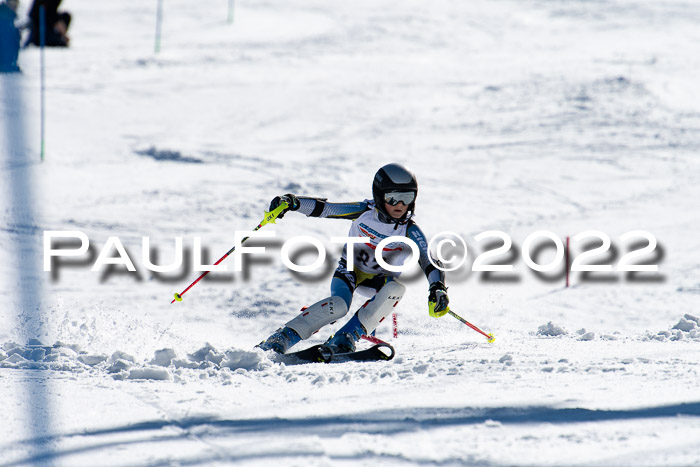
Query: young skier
[389,213]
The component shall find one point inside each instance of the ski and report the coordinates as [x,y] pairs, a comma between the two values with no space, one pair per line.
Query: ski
[313,354]
[377,352]
[321,354]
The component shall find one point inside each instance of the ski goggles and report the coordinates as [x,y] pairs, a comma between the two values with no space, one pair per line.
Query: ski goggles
[393,197]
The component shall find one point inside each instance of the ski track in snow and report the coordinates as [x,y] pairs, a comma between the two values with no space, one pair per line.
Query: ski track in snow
[516,116]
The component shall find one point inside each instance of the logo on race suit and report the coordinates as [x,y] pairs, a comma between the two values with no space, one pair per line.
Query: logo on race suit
[391,297]
[368,232]
[373,235]
[419,239]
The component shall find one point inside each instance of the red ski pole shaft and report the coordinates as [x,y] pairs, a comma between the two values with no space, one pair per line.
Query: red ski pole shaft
[178,296]
[372,339]
[459,318]
[268,219]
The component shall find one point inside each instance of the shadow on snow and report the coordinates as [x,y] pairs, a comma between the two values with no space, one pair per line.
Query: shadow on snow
[384,422]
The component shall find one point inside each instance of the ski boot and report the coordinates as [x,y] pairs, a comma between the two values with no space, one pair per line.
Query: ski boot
[281,340]
[344,340]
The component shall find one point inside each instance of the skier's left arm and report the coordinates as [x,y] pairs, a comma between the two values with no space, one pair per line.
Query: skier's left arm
[437,295]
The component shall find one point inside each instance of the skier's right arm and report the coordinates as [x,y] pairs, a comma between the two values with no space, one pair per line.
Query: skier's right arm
[319,207]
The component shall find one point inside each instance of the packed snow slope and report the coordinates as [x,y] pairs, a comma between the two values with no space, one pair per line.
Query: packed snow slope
[518,116]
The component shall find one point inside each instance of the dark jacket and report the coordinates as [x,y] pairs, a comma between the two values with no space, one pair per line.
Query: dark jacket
[9,40]
[53,39]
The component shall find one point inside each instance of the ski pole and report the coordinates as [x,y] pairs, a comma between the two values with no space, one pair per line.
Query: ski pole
[269,218]
[459,318]
[373,340]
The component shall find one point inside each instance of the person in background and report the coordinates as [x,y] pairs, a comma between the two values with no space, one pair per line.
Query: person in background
[9,37]
[57,24]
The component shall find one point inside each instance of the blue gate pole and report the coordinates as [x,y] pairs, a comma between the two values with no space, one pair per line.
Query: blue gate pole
[230,11]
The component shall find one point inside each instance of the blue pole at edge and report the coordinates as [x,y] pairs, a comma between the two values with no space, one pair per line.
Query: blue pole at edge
[230,11]
[42,44]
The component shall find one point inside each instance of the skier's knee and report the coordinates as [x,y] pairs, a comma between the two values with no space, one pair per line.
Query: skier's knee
[318,315]
[340,288]
[373,312]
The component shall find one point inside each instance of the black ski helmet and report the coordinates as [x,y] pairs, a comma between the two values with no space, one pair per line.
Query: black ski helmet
[393,177]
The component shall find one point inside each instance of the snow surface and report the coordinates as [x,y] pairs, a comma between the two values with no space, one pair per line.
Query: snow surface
[516,115]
